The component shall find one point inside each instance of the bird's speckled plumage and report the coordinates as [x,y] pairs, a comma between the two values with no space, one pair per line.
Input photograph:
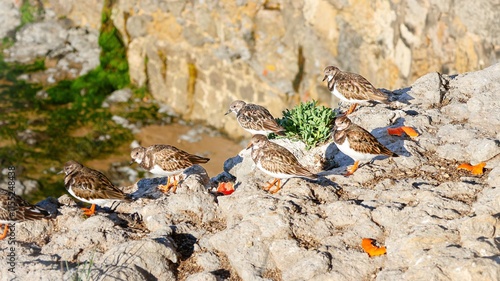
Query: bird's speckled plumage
[361,144]
[89,185]
[168,159]
[352,87]
[275,160]
[10,202]
[255,119]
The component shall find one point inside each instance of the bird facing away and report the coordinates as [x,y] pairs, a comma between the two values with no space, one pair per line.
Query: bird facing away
[14,208]
[255,119]
[276,161]
[90,186]
[165,160]
[352,88]
[357,143]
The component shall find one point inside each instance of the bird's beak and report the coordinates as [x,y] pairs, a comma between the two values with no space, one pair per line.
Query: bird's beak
[60,172]
[324,78]
[250,144]
[229,111]
[131,162]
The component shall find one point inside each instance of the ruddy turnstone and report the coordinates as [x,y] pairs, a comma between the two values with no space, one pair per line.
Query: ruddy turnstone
[276,161]
[357,143]
[352,88]
[165,160]
[13,209]
[255,119]
[90,186]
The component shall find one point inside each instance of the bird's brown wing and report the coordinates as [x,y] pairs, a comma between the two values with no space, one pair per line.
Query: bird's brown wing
[92,184]
[359,88]
[23,210]
[361,140]
[257,117]
[170,158]
[279,160]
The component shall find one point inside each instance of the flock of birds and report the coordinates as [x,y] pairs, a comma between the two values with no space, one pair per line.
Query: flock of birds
[93,187]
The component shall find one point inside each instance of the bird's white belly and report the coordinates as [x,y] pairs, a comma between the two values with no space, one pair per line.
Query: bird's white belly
[255,132]
[357,156]
[159,171]
[90,201]
[274,175]
[343,98]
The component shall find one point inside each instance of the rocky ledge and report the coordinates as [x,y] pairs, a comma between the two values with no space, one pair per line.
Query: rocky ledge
[437,222]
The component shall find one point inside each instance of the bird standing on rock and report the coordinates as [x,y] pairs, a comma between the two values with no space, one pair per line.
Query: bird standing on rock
[357,143]
[276,161]
[165,160]
[90,186]
[352,88]
[13,208]
[255,119]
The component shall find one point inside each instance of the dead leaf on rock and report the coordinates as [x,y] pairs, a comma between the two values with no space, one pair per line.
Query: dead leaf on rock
[403,129]
[475,169]
[371,249]
[225,188]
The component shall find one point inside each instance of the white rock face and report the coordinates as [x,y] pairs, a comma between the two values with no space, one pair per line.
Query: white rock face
[437,222]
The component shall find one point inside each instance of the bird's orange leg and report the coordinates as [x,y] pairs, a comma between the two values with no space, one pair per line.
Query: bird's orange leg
[271,184]
[351,109]
[89,211]
[174,186]
[166,188]
[352,169]
[278,187]
[5,231]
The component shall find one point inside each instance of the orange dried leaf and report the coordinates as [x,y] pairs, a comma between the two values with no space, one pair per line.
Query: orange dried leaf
[410,131]
[403,129]
[465,166]
[370,249]
[225,188]
[476,169]
[395,131]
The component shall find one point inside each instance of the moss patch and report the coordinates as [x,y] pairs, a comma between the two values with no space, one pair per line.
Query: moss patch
[41,128]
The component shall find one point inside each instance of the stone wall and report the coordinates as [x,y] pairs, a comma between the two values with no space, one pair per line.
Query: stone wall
[198,56]
[273,52]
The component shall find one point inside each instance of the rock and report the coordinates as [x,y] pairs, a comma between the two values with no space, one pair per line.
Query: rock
[296,263]
[202,276]
[494,177]
[37,40]
[483,149]
[11,17]
[125,123]
[426,90]
[76,50]
[118,96]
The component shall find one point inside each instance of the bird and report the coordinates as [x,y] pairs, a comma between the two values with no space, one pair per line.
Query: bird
[254,118]
[13,208]
[276,161]
[357,143]
[352,88]
[165,160]
[90,186]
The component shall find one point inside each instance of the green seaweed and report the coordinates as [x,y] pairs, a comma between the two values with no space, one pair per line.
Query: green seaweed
[307,122]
